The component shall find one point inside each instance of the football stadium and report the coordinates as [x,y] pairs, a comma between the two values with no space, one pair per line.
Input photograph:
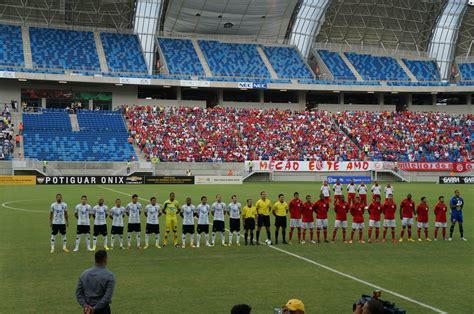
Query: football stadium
[223,156]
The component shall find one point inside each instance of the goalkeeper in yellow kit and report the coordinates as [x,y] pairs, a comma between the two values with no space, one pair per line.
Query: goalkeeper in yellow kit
[171,210]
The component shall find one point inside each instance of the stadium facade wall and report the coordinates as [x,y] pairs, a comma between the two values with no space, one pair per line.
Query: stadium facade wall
[5,168]
[449,109]
[202,168]
[370,108]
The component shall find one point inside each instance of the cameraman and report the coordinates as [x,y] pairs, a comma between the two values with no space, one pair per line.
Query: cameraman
[372,306]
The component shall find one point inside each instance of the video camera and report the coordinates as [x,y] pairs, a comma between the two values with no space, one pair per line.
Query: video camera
[388,307]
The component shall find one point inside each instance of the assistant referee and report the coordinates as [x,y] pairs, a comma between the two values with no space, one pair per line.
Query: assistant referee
[264,207]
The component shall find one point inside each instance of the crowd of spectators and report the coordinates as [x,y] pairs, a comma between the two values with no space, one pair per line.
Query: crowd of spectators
[410,136]
[6,133]
[230,134]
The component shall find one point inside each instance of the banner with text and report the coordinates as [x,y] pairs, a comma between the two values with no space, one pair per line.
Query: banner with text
[218,180]
[347,179]
[456,180]
[17,180]
[435,166]
[312,166]
[83,180]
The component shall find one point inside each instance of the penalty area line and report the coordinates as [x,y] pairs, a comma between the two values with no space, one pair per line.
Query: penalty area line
[434,309]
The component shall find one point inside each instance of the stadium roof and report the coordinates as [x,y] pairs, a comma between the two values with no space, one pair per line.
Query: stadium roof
[263,19]
[115,14]
[465,45]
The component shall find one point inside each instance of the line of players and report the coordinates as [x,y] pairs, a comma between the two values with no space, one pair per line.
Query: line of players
[301,218]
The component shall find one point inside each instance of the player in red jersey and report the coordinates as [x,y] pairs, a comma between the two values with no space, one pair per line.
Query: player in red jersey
[422,212]
[351,193]
[362,189]
[296,208]
[440,212]
[322,207]
[341,208]
[389,208]
[407,209]
[308,219]
[375,209]
[357,212]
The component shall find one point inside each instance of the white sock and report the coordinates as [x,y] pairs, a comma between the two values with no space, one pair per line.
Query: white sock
[105,241]
[78,241]
[198,240]
[112,240]
[183,239]
[146,239]
[157,239]
[238,237]
[64,241]
[88,240]
[53,240]
[191,238]
[222,237]
[139,238]
[129,239]
[94,241]
[121,240]
[207,237]
[231,235]
[213,237]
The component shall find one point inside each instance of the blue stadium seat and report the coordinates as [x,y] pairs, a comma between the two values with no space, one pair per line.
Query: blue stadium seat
[102,137]
[467,71]
[337,66]
[180,56]
[287,62]
[335,82]
[230,59]
[123,53]
[423,70]
[377,68]
[63,49]
[11,46]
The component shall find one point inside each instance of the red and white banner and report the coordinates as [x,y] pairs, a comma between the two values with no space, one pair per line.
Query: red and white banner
[435,166]
[313,165]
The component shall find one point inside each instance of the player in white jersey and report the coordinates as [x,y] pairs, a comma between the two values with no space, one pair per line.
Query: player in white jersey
[337,188]
[326,191]
[376,190]
[99,212]
[351,193]
[133,211]
[58,221]
[152,212]
[188,212]
[117,213]
[388,190]
[362,190]
[218,225]
[234,211]
[82,213]
[203,211]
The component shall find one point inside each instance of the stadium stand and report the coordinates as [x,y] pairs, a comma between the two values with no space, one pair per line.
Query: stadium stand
[334,82]
[229,134]
[403,83]
[410,136]
[287,62]
[377,68]
[336,65]
[467,71]
[6,134]
[123,53]
[231,59]
[423,70]
[180,56]
[11,46]
[102,137]
[63,49]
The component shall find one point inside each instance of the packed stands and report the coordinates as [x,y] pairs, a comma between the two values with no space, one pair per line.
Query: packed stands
[377,68]
[230,134]
[123,53]
[180,56]
[63,49]
[336,65]
[230,59]
[102,137]
[6,134]
[467,71]
[11,46]
[410,136]
[423,70]
[287,62]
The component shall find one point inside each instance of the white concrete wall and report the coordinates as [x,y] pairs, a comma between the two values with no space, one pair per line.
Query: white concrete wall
[340,108]
[448,109]
[257,105]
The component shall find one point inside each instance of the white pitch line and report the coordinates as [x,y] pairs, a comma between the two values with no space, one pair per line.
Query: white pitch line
[22,209]
[434,309]
[373,286]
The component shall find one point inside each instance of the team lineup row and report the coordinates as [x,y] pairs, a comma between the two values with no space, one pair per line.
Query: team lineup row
[251,216]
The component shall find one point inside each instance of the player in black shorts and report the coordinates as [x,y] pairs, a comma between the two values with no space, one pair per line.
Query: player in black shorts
[249,214]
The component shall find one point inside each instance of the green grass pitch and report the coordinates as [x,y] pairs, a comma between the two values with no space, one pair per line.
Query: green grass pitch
[210,280]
